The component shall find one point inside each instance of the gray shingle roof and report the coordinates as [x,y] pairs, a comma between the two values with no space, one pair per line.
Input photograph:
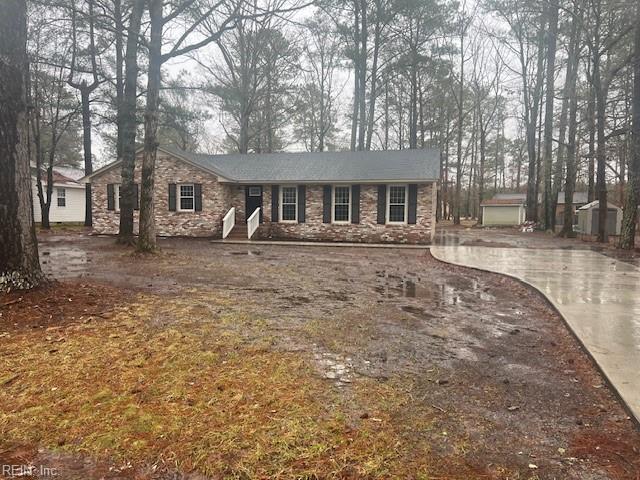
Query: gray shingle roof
[578,197]
[400,165]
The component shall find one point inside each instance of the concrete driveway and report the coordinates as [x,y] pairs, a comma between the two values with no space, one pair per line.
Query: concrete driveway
[598,296]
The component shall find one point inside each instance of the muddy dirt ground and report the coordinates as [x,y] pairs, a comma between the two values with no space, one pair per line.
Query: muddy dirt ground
[509,392]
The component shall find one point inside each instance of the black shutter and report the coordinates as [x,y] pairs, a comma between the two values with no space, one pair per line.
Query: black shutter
[413,203]
[355,204]
[172,197]
[136,190]
[197,193]
[326,204]
[275,199]
[382,204]
[302,202]
[111,198]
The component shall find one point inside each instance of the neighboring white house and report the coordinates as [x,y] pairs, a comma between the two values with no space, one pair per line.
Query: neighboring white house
[68,201]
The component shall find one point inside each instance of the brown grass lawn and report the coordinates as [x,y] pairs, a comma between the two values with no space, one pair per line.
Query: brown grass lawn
[197,396]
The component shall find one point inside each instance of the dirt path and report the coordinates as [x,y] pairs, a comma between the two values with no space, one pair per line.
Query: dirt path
[492,384]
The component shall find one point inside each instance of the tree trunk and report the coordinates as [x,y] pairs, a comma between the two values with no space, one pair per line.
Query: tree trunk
[19,263]
[572,95]
[356,75]
[630,216]
[119,41]
[591,114]
[483,141]
[533,171]
[600,119]
[127,126]
[413,108]
[456,200]
[374,79]
[147,236]
[547,163]
[85,94]
[562,144]
[88,159]
[362,119]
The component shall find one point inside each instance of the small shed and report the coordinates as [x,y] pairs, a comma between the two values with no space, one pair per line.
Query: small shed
[588,218]
[503,211]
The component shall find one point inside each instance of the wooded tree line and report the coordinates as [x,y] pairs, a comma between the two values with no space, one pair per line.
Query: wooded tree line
[525,96]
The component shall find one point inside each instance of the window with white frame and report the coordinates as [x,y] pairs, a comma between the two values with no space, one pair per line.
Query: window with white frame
[186,197]
[289,204]
[397,204]
[62,197]
[341,204]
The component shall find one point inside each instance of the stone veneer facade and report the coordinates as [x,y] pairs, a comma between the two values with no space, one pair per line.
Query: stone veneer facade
[218,198]
[206,223]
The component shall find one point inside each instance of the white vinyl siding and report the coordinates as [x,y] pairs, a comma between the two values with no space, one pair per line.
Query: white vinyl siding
[72,212]
[289,203]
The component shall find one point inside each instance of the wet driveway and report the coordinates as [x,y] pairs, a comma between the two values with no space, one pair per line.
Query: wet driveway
[598,296]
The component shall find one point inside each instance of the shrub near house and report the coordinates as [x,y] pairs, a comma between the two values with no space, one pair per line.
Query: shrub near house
[382,196]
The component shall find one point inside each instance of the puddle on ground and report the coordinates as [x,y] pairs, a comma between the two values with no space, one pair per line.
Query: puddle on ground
[391,285]
[335,367]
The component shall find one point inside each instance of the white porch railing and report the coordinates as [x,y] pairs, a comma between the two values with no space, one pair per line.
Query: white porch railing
[253,223]
[228,222]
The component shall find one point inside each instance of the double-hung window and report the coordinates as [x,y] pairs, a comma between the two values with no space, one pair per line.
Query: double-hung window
[397,204]
[341,204]
[186,200]
[62,197]
[289,204]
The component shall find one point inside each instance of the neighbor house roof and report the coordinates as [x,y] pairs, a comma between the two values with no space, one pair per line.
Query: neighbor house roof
[578,198]
[70,172]
[503,202]
[596,204]
[317,167]
[58,179]
[510,196]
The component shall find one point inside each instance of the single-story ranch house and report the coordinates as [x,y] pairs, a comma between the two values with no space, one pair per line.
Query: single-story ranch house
[378,196]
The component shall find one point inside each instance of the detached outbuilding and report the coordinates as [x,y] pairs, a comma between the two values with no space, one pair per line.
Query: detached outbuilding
[503,211]
[588,219]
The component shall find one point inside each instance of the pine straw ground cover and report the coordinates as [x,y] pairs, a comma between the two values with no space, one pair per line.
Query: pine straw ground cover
[174,384]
